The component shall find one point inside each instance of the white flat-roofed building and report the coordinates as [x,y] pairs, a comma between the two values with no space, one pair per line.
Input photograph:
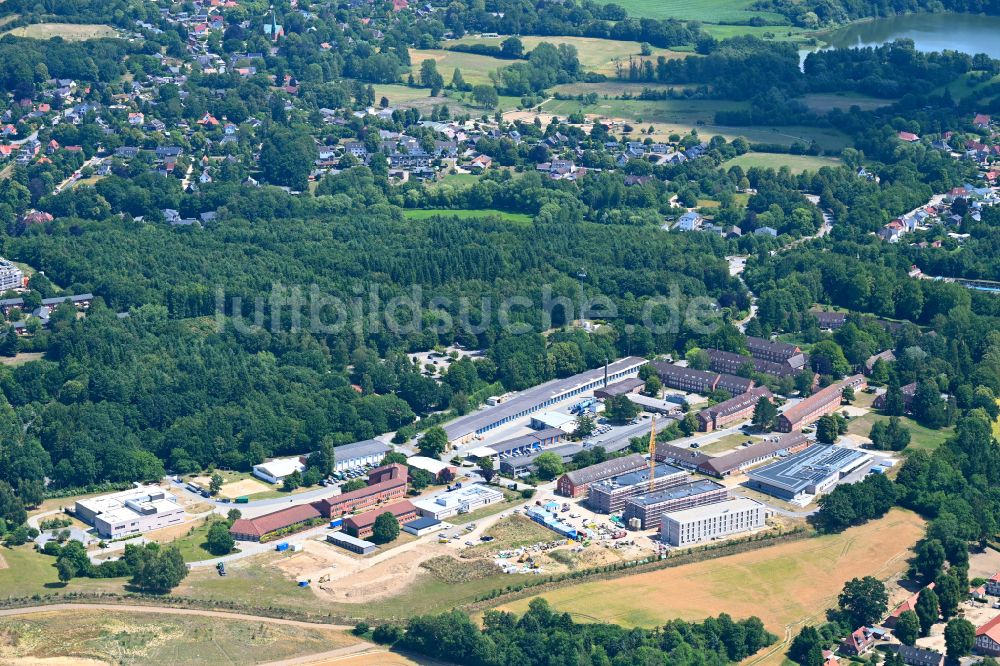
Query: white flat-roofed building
[277,469]
[130,512]
[712,521]
[556,420]
[11,277]
[353,456]
[460,500]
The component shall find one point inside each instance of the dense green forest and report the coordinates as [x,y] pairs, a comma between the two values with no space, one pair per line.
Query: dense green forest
[543,636]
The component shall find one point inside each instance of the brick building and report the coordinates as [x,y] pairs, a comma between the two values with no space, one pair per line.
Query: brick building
[700,381]
[775,351]
[823,402]
[577,483]
[362,525]
[385,484]
[748,456]
[256,529]
[723,361]
[733,410]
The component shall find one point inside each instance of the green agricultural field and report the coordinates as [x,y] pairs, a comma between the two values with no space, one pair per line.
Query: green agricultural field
[967,84]
[596,55]
[797,163]
[683,115]
[475,68]
[779,33]
[420,98]
[466,214]
[71,32]
[709,11]
[824,102]
[613,88]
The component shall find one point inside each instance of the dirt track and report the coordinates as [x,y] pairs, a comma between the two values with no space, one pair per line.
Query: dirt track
[167,610]
[357,649]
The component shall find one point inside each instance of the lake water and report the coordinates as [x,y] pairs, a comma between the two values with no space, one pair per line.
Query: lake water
[930,32]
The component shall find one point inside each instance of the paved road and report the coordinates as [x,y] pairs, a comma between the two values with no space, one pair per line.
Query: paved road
[737,264]
[620,438]
[249,509]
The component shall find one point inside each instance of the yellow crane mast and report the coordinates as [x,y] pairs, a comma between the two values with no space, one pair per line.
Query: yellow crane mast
[652,454]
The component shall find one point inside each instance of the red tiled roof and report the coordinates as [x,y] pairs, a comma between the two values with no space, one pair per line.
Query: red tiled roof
[910,604]
[990,629]
[367,518]
[832,392]
[275,521]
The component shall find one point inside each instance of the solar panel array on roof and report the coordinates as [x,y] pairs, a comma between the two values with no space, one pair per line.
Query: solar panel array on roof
[798,473]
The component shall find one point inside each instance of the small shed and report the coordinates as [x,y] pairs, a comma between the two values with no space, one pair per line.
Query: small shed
[422,526]
[353,544]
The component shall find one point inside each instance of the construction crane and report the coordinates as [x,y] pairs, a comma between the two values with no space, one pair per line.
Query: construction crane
[652,454]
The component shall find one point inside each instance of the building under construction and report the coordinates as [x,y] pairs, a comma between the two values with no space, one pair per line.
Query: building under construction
[649,508]
[609,496]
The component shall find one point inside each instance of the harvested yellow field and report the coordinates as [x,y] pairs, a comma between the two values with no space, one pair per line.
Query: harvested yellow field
[783,585]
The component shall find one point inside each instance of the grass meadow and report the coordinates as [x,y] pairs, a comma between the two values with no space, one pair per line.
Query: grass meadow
[797,163]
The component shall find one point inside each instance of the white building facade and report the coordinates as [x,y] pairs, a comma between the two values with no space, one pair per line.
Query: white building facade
[130,512]
[460,500]
[713,521]
[276,470]
[11,277]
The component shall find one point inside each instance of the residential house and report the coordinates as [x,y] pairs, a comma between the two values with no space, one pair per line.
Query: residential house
[859,642]
[690,221]
[988,638]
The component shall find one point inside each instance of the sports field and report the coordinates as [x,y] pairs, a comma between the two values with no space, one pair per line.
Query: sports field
[797,163]
[710,11]
[596,55]
[783,585]
[71,32]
